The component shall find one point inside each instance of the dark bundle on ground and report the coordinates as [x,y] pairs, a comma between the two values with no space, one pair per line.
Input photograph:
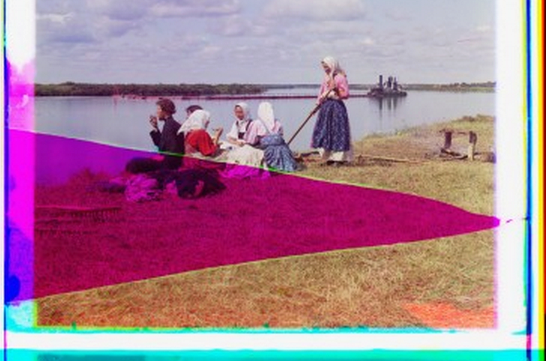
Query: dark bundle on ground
[190,183]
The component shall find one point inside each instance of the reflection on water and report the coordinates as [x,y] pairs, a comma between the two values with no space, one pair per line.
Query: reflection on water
[389,102]
[387,107]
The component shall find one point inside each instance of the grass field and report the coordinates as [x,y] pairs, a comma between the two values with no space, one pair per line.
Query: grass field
[367,287]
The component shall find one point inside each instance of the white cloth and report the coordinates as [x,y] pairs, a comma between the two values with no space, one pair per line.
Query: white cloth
[341,156]
[335,71]
[246,110]
[265,113]
[199,119]
[333,64]
[266,118]
[246,155]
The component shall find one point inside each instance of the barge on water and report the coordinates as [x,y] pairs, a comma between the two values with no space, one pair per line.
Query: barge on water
[389,89]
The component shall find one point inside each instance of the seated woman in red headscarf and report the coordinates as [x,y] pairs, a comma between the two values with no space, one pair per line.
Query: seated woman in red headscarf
[197,140]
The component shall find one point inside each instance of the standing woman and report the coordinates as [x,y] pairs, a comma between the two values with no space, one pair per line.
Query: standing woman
[332,133]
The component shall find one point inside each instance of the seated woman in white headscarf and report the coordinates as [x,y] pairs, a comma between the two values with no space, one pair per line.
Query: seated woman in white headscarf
[265,123]
[196,139]
[236,135]
[267,132]
[264,144]
[247,160]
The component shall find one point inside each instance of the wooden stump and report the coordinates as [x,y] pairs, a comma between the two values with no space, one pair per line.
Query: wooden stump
[472,140]
[447,139]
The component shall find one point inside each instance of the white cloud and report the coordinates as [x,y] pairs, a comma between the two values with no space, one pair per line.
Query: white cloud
[239,26]
[114,28]
[234,25]
[58,6]
[368,41]
[52,17]
[336,29]
[254,41]
[88,21]
[80,26]
[138,9]
[120,9]
[397,15]
[209,52]
[316,9]
[70,29]
[202,8]
[483,28]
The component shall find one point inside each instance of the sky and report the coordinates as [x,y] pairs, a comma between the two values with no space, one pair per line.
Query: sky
[263,41]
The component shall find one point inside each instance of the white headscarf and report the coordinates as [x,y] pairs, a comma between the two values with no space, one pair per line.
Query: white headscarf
[265,113]
[334,66]
[246,111]
[197,120]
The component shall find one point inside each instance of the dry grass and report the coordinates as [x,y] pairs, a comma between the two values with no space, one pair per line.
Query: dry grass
[422,142]
[362,287]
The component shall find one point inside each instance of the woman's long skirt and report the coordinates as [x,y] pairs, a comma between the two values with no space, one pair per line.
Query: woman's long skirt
[279,157]
[332,133]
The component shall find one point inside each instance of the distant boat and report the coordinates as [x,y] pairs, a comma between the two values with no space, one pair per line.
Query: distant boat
[389,89]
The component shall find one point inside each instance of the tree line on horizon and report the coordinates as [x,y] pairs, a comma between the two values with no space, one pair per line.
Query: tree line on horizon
[490,85]
[89,89]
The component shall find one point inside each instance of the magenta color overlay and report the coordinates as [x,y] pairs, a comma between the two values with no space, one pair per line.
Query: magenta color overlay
[19,180]
[252,220]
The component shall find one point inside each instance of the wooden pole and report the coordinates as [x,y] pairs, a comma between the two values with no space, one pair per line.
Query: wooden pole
[308,117]
[472,139]
[389,159]
[304,122]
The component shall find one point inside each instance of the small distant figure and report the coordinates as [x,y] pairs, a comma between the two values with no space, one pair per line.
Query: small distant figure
[190,109]
[332,134]
[169,144]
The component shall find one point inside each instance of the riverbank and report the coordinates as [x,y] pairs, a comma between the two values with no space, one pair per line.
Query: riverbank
[386,286]
[421,169]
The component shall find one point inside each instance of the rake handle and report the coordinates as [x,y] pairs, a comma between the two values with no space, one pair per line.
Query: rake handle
[317,107]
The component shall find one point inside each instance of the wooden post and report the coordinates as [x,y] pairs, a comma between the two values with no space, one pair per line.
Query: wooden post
[447,139]
[472,139]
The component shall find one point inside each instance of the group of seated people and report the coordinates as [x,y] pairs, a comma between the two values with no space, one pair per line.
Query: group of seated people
[257,144]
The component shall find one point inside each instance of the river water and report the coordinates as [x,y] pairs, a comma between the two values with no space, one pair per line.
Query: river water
[124,122]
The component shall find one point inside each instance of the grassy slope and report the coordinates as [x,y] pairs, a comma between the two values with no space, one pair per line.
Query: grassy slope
[346,288]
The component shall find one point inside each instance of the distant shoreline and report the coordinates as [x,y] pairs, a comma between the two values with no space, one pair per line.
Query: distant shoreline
[143,90]
[197,90]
